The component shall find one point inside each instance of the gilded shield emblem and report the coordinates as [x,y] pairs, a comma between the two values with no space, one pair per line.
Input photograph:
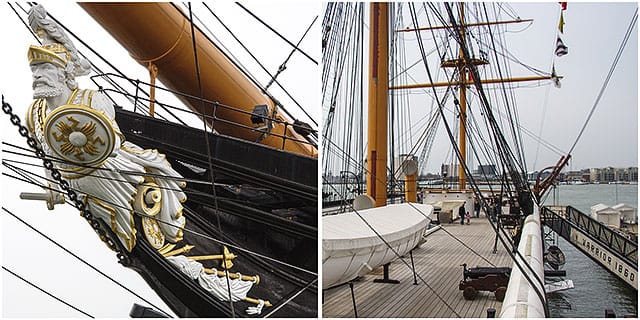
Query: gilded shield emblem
[79,134]
[152,232]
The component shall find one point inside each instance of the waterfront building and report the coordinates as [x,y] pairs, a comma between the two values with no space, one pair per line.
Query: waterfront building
[611,174]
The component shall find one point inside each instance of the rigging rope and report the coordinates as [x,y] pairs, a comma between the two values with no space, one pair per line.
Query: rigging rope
[343,36]
[503,149]
[209,161]
[137,173]
[140,214]
[512,115]
[506,152]
[627,35]
[284,303]
[283,65]
[84,261]
[263,89]
[473,183]
[544,112]
[24,23]
[46,292]
[277,33]
[18,170]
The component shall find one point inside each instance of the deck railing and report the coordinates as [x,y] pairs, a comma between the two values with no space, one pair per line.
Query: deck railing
[140,97]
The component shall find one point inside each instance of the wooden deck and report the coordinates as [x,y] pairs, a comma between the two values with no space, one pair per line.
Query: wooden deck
[438,262]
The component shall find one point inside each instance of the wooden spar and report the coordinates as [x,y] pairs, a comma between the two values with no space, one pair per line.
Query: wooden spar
[159,33]
[378,93]
[470,83]
[466,25]
[463,104]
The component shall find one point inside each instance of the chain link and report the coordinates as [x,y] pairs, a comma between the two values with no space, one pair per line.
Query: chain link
[64,185]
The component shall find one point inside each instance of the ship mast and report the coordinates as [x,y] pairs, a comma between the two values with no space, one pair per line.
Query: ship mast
[378,96]
[463,103]
[461,63]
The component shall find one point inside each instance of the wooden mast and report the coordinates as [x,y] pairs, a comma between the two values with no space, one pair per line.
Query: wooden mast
[463,102]
[378,93]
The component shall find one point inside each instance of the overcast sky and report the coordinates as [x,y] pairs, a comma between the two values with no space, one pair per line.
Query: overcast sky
[593,32]
[32,256]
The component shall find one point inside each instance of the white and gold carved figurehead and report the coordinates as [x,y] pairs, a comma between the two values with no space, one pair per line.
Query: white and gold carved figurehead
[73,131]
[56,62]
[79,127]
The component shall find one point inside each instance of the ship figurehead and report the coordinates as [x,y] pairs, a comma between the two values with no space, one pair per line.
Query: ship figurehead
[77,127]
[119,182]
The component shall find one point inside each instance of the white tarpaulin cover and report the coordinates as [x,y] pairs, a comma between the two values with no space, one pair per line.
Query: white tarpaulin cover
[349,245]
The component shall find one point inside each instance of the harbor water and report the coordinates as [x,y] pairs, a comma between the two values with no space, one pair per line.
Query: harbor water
[596,289]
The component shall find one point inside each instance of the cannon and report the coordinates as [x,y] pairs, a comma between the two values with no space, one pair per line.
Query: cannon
[484,279]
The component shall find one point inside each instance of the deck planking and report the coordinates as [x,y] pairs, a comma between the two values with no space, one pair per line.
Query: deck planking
[438,262]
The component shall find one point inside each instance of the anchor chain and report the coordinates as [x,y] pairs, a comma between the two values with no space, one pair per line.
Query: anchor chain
[95,223]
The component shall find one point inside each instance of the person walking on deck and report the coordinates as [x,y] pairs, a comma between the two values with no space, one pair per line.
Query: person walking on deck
[468,218]
[461,214]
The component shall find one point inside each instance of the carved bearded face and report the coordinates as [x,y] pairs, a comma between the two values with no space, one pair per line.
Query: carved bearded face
[48,80]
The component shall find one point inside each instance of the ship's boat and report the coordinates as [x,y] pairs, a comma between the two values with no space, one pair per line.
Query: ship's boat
[374,237]
[555,257]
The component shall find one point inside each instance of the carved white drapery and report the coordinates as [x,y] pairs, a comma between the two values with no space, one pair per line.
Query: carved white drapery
[211,282]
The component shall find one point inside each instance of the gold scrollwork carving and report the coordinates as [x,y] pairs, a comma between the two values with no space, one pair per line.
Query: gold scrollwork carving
[148,200]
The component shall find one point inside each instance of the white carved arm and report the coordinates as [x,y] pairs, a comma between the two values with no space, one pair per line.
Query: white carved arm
[101,103]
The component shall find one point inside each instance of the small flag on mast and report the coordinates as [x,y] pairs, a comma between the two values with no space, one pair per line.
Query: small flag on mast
[561,49]
[564,5]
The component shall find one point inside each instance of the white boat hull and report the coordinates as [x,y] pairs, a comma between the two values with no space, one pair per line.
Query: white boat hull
[351,248]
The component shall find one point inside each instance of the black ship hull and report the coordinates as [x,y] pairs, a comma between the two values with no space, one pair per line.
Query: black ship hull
[265,202]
